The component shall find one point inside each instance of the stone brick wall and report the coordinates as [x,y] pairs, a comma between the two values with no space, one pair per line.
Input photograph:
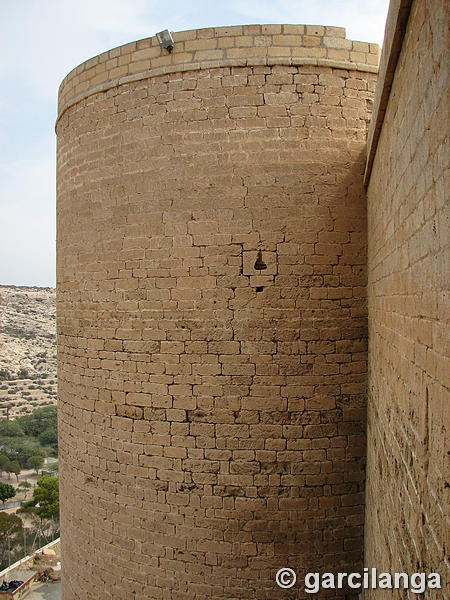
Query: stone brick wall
[212,415]
[408,420]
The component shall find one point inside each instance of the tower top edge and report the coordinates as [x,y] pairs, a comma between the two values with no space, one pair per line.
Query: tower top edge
[237,45]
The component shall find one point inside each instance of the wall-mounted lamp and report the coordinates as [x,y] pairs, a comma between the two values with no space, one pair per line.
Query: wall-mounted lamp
[165,40]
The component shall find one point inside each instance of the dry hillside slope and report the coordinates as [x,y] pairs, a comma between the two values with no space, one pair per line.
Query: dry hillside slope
[27,349]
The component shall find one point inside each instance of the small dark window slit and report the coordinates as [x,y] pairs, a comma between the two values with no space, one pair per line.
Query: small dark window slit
[259,288]
[260,265]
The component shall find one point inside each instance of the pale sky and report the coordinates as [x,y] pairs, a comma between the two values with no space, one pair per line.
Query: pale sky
[42,40]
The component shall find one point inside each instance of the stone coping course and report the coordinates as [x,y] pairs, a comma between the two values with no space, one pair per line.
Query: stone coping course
[394,33]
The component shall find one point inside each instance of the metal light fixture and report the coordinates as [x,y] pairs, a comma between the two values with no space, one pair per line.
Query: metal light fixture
[165,40]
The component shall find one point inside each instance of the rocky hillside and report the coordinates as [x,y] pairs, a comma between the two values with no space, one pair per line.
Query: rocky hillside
[27,349]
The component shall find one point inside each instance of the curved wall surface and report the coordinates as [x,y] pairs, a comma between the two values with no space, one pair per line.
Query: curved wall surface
[211,313]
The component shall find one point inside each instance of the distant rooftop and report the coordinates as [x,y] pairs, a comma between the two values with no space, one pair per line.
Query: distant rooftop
[28,567]
[46,591]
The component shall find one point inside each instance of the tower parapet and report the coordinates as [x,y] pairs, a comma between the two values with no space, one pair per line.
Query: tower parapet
[243,45]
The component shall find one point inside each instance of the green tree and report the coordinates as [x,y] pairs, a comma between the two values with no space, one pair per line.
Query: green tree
[15,468]
[35,462]
[49,437]
[9,468]
[20,450]
[4,463]
[10,536]
[45,502]
[40,420]
[6,491]
[10,429]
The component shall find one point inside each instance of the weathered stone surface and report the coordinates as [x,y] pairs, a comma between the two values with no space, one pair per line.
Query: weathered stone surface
[220,409]
[202,395]
[409,409]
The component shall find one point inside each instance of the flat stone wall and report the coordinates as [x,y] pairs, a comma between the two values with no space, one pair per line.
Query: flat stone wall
[408,422]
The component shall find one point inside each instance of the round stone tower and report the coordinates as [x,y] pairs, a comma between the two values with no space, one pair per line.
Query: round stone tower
[211,313]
